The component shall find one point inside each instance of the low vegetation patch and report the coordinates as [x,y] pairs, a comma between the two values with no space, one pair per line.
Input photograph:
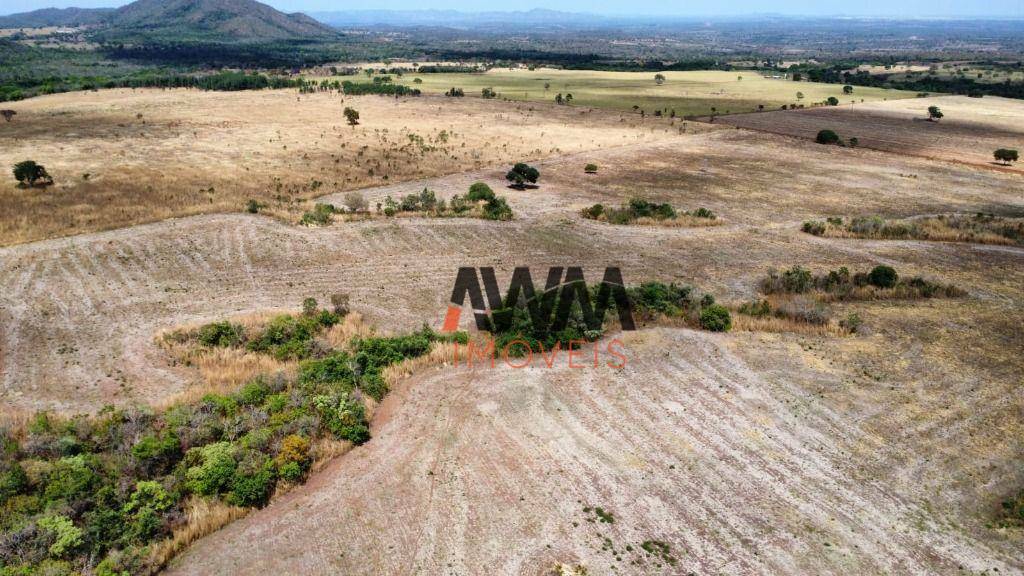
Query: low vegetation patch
[1012,515]
[531,322]
[123,491]
[881,282]
[643,212]
[978,228]
[479,202]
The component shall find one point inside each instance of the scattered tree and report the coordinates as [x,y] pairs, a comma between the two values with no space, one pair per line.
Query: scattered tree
[590,168]
[847,89]
[488,93]
[1005,155]
[7,114]
[854,142]
[934,113]
[521,174]
[827,137]
[832,101]
[799,95]
[659,79]
[352,115]
[455,93]
[29,174]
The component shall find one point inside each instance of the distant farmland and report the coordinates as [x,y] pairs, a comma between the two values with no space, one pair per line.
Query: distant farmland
[688,93]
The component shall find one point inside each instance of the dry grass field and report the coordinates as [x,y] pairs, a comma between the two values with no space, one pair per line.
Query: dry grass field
[970,131]
[123,157]
[886,451]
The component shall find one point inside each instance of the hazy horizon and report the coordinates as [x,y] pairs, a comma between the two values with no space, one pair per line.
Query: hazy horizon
[908,9]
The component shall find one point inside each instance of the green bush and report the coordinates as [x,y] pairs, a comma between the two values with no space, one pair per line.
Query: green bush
[66,537]
[72,478]
[715,318]
[321,215]
[253,482]
[12,480]
[222,334]
[668,299]
[827,137]
[590,168]
[480,191]
[210,469]
[594,212]
[814,228]
[883,276]
[497,209]
[253,393]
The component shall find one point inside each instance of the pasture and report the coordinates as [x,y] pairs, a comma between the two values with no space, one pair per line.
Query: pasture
[687,93]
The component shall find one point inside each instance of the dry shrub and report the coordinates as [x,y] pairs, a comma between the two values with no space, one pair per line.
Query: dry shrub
[801,308]
[14,421]
[441,354]
[341,334]
[680,221]
[784,325]
[225,370]
[326,449]
[204,516]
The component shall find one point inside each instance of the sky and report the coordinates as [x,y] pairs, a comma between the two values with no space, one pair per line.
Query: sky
[893,8]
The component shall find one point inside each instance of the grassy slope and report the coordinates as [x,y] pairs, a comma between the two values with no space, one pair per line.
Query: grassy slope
[689,93]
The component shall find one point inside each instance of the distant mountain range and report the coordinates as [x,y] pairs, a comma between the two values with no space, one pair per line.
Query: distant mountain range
[57,17]
[453,18]
[229,20]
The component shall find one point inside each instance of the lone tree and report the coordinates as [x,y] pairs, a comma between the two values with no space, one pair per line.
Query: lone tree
[799,95]
[521,174]
[1005,155]
[7,114]
[827,137]
[847,89]
[832,101]
[934,113]
[352,115]
[29,174]
[488,93]
[590,168]
[659,79]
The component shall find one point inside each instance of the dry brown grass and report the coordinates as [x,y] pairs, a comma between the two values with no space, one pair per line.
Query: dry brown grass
[680,221]
[745,323]
[122,157]
[222,370]
[204,516]
[326,449]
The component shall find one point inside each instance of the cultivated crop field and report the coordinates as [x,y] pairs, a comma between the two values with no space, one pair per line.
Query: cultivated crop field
[688,93]
[970,130]
[121,157]
[883,450]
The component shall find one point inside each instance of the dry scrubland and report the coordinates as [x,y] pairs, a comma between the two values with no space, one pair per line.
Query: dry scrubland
[122,157]
[970,131]
[882,452]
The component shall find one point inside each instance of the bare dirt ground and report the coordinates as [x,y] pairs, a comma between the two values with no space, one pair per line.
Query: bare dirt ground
[739,470]
[748,453]
[123,157]
[970,131]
